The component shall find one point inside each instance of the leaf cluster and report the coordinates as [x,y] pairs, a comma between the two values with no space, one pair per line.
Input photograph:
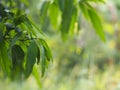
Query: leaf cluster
[22,44]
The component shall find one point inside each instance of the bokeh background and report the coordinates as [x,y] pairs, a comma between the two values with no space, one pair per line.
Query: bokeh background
[83,62]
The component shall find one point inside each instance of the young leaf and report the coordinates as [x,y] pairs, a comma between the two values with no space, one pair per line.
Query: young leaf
[54,15]
[47,51]
[31,58]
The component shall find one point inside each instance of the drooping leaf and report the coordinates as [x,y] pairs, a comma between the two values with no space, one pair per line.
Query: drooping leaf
[84,9]
[46,50]
[38,55]
[31,58]
[37,76]
[17,55]
[17,62]
[43,11]
[5,61]
[96,22]
[61,4]
[73,20]
[53,14]
[66,18]
[43,61]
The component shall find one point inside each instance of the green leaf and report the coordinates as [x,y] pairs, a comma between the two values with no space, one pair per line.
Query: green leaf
[37,76]
[96,22]
[53,15]
[31,58]
[61,4]
[17,55]
[84,10]
[17,62]
[15,38]
[73,20]
[43,61]
[43,11]
[38,55]
[66,18]
[4,59]
[47,50]
[79,21]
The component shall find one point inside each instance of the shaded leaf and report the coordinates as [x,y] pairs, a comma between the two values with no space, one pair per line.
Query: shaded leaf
[31,58]
[17,55]
[66,18]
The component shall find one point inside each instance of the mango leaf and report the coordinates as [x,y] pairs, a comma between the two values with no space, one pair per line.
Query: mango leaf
[17,55]
[31,58]
[17,62]
[22,19]
[79,21]
[47,51]
[38,55]
[66,18]
[43,61]
[15,38]
[61,4]
[84,9]
[53,15]
[96,22]
[43,11]
[73,20]
[4,59]
[36,75]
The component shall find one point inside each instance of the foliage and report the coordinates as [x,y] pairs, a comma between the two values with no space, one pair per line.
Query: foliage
[19,43]
[22,43]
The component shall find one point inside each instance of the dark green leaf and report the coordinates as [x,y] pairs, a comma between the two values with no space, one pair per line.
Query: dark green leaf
[9,26]
[31,58]
[66,18]
[17,55]
[17,62]
[61,4]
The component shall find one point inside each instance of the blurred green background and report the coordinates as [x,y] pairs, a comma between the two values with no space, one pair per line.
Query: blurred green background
[83,62]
